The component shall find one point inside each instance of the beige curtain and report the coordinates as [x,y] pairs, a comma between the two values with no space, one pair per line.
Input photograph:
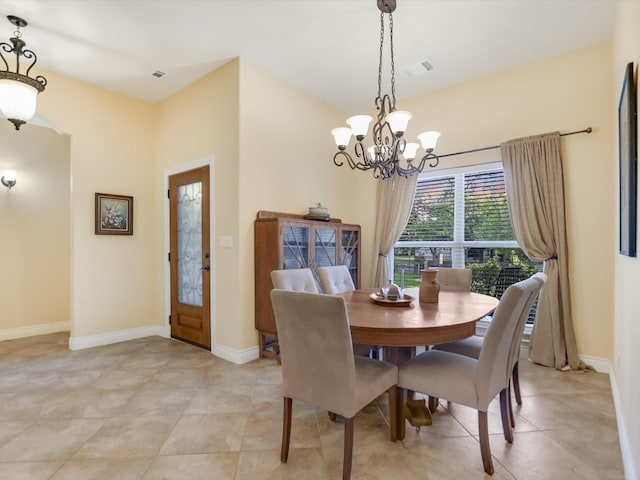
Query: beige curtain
[394,199]
[535,195]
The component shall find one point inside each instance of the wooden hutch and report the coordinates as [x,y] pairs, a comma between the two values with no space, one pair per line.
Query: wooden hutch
[284,241]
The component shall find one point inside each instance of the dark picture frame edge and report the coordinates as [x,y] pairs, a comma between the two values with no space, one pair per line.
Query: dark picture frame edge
[113,214]
[628,153]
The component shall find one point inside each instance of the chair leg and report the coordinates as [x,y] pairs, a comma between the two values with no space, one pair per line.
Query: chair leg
[348,448]
[286,429]
[433,404]
[504,415]
[485,449]
[510,404]
[516,384]
[393,409]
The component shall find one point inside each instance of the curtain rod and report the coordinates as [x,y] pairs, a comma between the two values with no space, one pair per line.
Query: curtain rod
[493,147]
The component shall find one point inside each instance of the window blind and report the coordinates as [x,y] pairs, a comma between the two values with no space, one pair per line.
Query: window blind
[486,216]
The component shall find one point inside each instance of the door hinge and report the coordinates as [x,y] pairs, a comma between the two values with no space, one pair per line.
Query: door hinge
[169,257]
[168,193]
[169,319]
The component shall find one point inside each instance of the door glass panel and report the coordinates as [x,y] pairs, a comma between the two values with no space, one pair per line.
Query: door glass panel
[295,242]
[325,247]
[190,244]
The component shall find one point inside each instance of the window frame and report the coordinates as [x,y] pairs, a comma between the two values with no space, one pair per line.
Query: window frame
[458,244]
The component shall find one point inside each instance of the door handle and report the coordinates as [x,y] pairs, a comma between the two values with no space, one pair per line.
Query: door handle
[206,267]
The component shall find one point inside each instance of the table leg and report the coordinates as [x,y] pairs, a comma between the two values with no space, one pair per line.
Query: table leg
[412,409]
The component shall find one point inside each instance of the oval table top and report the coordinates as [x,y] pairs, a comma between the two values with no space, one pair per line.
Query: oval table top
[454,317]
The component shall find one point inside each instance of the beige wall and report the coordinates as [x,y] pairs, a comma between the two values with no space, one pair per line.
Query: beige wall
[112,277]
[202,120]
[564,93]
[627,270]
[35,228]
[286,165]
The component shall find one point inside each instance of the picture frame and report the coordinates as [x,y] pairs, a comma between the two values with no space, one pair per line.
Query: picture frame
[114,214]
[628,152]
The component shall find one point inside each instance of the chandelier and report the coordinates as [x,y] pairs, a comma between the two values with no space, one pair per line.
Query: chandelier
[18,92]
[390,154]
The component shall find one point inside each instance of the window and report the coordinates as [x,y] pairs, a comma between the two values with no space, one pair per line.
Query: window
[461,220]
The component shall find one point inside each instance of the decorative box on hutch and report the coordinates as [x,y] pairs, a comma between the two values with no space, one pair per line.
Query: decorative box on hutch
[286,240]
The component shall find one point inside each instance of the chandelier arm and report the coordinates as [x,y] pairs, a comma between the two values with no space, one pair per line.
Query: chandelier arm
[361,152]
[29,54]
[436,159]
[7,48]
[384,106]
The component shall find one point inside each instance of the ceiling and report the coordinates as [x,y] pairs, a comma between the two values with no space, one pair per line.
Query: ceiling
[328,48]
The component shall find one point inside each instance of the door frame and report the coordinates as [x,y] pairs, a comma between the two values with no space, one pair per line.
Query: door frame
[209,160]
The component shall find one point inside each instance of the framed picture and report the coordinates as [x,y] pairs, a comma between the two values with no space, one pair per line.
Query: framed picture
[627,138]
[114,214]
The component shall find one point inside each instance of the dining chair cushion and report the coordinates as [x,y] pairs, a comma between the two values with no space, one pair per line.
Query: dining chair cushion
[335,279]
[454,279]
[295,279]
[318,365]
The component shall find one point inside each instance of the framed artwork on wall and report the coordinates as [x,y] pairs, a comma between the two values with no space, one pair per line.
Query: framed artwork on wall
[114,214]
[628,150]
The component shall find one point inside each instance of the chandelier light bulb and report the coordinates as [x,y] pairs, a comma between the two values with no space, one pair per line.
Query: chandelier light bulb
[359,125]
[429,140]
[410,150]
[398,121]
[342,136]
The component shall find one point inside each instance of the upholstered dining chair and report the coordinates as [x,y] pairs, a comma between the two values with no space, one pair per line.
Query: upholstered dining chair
[474,382]
[319,367]
[295,279]
[337,279]
[472,346]
[454,279]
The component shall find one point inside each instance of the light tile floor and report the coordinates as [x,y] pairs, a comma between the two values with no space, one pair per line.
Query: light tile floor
[155,408]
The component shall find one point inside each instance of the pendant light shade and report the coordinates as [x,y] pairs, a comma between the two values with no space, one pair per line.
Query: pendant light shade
[18,91]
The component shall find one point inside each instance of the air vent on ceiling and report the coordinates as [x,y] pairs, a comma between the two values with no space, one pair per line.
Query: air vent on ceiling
[159,74]
[419,68]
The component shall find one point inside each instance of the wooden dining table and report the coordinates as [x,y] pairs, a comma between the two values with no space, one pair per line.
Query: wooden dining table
[398,330]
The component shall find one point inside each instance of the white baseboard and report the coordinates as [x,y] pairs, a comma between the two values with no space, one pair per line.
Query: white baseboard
[32,331]
[236,356]
[601,365]
[625,449]
[79,343]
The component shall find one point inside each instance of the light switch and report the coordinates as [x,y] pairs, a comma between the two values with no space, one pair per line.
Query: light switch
[225,241]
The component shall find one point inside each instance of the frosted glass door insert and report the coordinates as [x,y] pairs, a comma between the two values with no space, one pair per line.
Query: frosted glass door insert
[190,244]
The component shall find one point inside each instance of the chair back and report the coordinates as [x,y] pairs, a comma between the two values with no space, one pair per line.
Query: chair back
[454,279]
[295,279]
[541,278]
[335,279]
[493,371]
[318,365]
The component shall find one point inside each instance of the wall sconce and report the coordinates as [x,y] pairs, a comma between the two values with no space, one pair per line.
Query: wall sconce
[9,178]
